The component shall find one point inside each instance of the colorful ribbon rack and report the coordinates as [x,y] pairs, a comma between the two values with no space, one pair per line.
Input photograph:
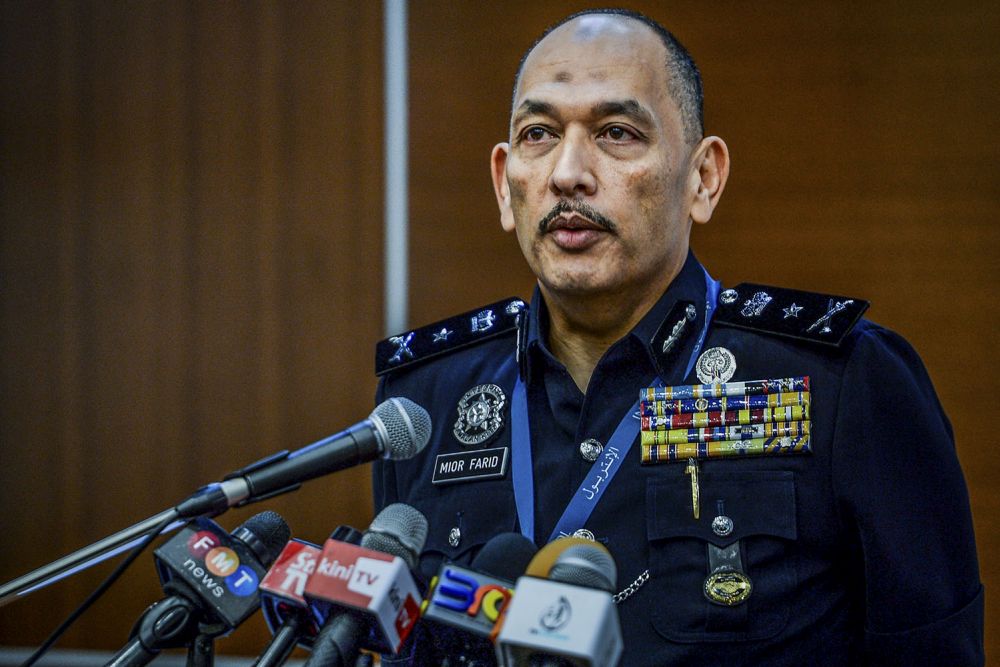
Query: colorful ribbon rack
[751,418]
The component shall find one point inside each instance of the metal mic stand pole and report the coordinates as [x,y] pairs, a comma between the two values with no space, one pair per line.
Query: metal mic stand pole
[85,557]
[210,500]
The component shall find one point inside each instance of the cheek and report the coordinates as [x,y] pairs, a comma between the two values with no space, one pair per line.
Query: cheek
[516,190]
[657,193]
[649,183]
[644,193]
[525,204]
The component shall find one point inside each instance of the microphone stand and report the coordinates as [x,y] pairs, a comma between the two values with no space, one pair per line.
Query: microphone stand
[201,652]
[86,557]
[208,501]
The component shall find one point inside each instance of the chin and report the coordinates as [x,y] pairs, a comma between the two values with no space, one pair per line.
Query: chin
[582,285]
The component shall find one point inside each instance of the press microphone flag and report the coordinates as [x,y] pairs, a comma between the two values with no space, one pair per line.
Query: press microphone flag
[568,619]
[289,616]
[211,578]
[223,569]
[463,604]
[373,581]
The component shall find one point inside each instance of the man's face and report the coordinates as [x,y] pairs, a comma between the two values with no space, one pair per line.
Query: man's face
[597,179]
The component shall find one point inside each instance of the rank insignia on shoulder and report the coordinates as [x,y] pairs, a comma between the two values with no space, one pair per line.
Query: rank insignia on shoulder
[454,333]
[809,316]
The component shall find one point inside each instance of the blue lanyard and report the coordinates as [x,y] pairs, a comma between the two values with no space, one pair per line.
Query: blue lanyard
[606,466]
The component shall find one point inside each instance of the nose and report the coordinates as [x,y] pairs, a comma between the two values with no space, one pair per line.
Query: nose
[573,173]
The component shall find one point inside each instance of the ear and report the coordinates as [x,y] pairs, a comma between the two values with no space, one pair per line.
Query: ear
[710,172]
[498,167]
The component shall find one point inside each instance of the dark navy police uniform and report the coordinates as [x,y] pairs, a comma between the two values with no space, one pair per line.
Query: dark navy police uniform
[860,551]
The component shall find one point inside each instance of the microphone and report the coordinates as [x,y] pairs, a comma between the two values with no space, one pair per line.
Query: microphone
[367,592]
[287,613]
[464,604]
[211,579]
[547,556]
[567,620]
[397,429]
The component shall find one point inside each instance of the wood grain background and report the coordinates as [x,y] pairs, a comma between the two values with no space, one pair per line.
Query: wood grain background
[191,245]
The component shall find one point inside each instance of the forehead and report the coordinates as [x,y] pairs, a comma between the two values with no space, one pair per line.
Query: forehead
[596,55]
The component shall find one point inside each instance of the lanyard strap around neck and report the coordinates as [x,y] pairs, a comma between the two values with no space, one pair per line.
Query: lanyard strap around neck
[599,477]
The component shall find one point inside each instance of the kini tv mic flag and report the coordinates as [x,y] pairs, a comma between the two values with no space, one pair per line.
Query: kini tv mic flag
[211,578]
[367,592]
[568,619]
[463,604]
[290,618]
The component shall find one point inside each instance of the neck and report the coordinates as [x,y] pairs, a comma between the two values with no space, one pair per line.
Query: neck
[582,328]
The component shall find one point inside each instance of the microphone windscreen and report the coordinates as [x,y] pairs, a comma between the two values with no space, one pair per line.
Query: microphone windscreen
[266,534]
[398,530]
[505,556]
[403,427]
[547,555]
[586,565]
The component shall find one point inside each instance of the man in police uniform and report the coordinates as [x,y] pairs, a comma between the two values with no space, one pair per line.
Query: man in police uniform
[785,493]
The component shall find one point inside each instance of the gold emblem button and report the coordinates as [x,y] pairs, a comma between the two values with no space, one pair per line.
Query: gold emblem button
[728,588]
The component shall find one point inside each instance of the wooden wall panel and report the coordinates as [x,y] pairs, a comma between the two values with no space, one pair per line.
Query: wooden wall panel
[191,202]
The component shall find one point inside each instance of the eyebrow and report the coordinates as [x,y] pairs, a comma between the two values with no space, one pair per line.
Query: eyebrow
[532,108]
[629,108]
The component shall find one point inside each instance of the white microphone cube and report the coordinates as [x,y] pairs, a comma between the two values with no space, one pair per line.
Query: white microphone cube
[549,618]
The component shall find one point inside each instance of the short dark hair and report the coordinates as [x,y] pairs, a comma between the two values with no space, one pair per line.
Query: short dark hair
[683,78]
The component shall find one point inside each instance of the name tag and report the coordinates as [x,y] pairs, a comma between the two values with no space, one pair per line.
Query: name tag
[476,465]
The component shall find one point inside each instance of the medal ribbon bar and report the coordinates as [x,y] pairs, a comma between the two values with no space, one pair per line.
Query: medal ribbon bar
[752,418]
[711,450]
[722,404]
[747,388]
[721,433]
[730,418]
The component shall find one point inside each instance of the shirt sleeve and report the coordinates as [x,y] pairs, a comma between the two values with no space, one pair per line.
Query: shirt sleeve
[901,489]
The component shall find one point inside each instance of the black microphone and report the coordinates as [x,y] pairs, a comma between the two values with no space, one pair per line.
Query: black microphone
[211,579]
[291,619]
[464,604]
[568,619]
[397,429]
[368,592]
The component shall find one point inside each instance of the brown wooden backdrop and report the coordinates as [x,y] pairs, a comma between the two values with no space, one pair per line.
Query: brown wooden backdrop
[190,256]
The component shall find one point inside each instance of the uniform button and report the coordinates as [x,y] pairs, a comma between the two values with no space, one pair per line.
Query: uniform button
[590,449]
[722,525]
[454,536]
[585,534]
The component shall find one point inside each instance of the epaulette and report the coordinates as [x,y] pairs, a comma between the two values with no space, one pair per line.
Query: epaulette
[454,333]
[808,316]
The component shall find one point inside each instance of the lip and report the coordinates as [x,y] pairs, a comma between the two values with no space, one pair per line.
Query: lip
[575,232]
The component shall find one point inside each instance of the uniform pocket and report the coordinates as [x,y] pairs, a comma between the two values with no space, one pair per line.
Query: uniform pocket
[761,507]
[461,519]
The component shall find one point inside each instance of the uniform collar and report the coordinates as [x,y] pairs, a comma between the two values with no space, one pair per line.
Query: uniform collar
[688,286]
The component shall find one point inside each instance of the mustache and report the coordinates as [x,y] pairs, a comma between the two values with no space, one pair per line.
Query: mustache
[567,206]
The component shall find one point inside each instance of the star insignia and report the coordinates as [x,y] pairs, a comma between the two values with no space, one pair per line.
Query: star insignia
[442,335]
[792,311]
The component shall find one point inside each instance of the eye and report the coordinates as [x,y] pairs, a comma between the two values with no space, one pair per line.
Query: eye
[618,133]
[535,134]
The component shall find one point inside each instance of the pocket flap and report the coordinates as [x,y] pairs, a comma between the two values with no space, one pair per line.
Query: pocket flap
[477,514]
[757,502]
